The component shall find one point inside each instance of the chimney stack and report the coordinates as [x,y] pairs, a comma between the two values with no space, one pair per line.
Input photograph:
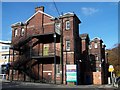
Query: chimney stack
[41,8]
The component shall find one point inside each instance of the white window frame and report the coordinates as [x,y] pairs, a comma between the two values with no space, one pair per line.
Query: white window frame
[67,24]
[95,45]
[16,32]
[67,47]
[22,32]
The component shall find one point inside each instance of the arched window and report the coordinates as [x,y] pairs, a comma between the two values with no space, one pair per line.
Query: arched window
[67,25]
[22,31]
[96,45]
[16,33]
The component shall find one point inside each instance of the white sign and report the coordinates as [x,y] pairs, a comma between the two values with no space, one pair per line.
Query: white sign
[111,66]
[111,69]
[71,73]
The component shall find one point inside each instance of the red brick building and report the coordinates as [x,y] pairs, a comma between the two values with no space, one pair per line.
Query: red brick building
[85,61]
[43,45]
[94,65]
[98,61]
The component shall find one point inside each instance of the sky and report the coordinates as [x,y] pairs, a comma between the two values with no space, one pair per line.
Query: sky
[99,19]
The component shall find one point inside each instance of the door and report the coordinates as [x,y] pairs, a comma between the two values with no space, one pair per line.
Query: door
[46,50]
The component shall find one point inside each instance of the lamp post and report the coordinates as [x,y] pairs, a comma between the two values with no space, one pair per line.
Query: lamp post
[111,69]
[54,58]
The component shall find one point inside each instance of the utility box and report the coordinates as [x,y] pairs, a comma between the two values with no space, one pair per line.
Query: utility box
[97,78]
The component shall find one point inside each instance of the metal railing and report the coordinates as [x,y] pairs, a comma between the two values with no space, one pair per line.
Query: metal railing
[47,53]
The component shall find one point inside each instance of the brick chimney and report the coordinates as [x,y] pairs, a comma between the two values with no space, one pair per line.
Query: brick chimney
[41,8]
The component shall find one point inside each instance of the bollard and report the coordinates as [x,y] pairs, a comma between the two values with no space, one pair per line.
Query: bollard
[109,80]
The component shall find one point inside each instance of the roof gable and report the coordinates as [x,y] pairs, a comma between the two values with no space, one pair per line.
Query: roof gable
[37,13]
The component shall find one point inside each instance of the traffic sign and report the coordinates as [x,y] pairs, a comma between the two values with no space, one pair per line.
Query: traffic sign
[111,69]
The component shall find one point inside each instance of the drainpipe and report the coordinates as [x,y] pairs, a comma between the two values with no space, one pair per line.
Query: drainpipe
[54,58]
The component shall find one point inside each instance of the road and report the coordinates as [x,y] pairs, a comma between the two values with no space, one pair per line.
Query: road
[7,85]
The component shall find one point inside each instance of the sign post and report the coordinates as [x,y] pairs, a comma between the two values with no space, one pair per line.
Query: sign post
[111,69]
[71,73]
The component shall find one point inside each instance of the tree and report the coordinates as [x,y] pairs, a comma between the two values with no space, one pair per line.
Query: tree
[114,59]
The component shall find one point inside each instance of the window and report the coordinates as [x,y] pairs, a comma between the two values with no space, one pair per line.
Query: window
[3,69]
[95,45]
[67,25]
[22,31]
[68,45]
[14,71]
[5,56]
[96,57]
[57,68]
[97,69]
[46,50]
[5,47]
[16,32]
[90,47]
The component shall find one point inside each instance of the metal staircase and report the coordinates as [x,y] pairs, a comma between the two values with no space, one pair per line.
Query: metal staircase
[26,53]
[23,61]
[29,72]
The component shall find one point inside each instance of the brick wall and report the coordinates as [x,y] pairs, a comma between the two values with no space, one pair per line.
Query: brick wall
[42,24]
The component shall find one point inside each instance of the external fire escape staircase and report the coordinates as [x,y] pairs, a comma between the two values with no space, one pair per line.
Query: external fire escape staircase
[24,61]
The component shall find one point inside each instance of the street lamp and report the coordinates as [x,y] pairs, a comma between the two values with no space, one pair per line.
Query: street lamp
[102,60]
[54,35]
[80,60]
[54,58]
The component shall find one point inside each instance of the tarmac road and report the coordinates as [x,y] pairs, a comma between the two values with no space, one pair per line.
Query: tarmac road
[7,85]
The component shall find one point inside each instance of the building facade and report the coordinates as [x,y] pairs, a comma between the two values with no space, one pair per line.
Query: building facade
[98,61]
[4,57]
[86,73]
[43,46]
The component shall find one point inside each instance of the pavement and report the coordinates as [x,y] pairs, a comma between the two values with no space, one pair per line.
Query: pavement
[6,85]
